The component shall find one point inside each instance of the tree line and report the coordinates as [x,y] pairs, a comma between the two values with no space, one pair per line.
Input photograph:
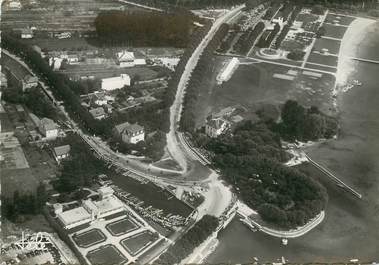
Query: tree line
[202,70]
[144,28]
[15,207]
[189,241]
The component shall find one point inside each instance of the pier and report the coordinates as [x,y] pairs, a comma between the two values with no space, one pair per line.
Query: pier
[334,178]
[363,60]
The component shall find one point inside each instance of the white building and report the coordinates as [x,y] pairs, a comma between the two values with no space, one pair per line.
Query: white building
[215,127]
[130,133]
[61,152]
[128,59]
[26,34]
[48,128]
[15,5]
[91,210]
[227,72]
[113,83]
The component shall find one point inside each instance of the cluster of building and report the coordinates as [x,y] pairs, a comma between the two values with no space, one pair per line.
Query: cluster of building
[89,210]
[24,82]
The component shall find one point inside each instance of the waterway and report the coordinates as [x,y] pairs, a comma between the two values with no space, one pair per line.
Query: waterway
[351,227]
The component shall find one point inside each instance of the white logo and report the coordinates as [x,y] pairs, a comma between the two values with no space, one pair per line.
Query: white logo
[31,242]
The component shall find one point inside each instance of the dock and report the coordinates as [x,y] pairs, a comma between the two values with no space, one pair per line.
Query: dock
[339,182]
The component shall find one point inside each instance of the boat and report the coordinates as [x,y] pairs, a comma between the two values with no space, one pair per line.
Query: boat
[284,241]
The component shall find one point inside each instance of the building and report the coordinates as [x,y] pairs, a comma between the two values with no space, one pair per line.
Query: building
[15,5]
[61,152]
[90,210]
[225,112]
[28,82]
[98,113]
[128,59]
[3,80]
[113,83]
[48,128]
[215,127]
[26,33]
[228,70]
[130,133]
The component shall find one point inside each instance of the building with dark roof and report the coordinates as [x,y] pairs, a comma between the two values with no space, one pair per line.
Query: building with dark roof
[130,133]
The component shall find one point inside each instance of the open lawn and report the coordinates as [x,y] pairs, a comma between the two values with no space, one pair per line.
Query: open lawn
[328,60]
[89,238]
[319,67]
[254,86]
[340,19]
[122,227]
[137,243]
[334,31]
[333,46]
[108,254]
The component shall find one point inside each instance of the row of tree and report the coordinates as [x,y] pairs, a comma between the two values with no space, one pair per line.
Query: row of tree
[189,241]
[190,4]
[144,28]
[268,36]
[287,27]
[251,37]
[202,70]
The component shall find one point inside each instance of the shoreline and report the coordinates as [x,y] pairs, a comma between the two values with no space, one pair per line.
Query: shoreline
[354,35]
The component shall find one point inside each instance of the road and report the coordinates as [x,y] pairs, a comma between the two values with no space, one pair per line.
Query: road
[174,143]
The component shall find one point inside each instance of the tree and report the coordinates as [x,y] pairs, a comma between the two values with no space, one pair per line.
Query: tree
[296,55]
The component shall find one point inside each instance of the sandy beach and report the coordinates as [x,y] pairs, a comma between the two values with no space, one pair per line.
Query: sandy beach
[349,45]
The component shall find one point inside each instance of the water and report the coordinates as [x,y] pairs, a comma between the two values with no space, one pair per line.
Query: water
[351,227]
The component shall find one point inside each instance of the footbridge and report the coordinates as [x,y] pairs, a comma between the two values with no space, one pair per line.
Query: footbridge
[334,178]
[363,60]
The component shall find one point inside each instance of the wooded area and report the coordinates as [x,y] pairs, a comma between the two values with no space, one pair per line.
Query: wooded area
[189,241]
[144,29]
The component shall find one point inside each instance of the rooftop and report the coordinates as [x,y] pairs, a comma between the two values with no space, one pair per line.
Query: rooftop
[125,56]
[97,112]
[62,150]
[129,128]
[48,124]
[216,123]
[74,215]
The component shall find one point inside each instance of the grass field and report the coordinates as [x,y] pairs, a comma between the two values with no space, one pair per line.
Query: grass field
[122,227]
[333,46]
[334,31]
[343,20]
[323,68]
[328,60]
[108,254]
[138,242]
[89,238]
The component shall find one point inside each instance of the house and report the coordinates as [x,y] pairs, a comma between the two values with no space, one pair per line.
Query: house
[130,133]
[48,128]
[29,81]
[215,127]
[72,59]
[128,59]
[3,80]
[98,113]
[61,152]
[26,34]
[113,83]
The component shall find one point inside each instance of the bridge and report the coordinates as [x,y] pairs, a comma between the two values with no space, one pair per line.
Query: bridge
[334,178]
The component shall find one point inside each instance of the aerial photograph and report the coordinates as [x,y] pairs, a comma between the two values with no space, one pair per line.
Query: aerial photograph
[189,132]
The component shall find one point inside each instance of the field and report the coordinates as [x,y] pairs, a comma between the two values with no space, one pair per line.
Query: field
[334,31]
[108,254]
[137,243]
[89,238]
[322,68]
[327,60]
[343,20]
[333,46]
[122,227]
